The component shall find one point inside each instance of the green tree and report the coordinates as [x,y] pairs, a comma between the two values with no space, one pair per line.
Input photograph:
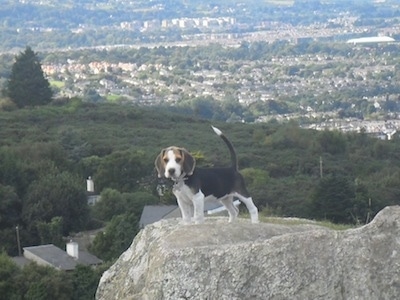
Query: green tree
[10,207]
[204,107]
[257,183]
[116,238]
[136,201]
[74,144]
[39,282]
[361,209]
[56,194]
[8,272]
[10,169]
[333,199]
[114,203]
[27,85]
[111,204]
[121,170]
[84,281]
[333,142]
[124,210]
[51,232]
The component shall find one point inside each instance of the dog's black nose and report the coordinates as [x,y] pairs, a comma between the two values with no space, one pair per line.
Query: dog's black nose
[171,171]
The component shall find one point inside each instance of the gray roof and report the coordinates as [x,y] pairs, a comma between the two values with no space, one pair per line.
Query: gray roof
[86,258]
[21,261]
[56,257]
[154,213]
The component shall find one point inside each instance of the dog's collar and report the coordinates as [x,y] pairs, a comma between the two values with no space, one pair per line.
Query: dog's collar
[179,182]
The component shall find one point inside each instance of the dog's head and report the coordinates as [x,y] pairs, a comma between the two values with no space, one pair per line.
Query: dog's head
[173,161]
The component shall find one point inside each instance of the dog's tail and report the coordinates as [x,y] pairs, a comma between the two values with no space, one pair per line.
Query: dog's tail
[234,160]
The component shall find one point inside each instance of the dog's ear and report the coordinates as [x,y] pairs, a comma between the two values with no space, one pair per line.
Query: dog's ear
[159,163]
[188,162]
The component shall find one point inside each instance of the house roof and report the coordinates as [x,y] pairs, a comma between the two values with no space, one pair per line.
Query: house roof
[86,258]
[154,213]
[21,261]
[56,257]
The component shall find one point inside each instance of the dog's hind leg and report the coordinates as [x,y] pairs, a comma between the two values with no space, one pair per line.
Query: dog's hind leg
[233,211]
[248,201]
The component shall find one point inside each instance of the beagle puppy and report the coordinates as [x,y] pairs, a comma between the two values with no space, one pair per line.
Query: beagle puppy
[193,186]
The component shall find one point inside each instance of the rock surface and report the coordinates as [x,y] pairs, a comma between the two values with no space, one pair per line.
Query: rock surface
[218,260]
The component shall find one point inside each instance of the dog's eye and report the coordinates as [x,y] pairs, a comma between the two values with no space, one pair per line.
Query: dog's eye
[178,160]
[165,160]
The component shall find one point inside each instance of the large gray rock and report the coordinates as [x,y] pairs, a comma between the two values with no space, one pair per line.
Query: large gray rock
[218,260]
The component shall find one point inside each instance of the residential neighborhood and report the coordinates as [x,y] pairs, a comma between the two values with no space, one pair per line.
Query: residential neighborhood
[306,86]
[283,60]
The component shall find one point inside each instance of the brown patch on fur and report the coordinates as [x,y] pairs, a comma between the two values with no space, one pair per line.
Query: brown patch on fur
[182,156]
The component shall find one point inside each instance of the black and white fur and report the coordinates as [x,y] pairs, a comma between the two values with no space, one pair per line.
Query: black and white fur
[193,186]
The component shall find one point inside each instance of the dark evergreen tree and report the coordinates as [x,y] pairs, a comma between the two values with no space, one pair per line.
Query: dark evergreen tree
[333,199]
[27,85]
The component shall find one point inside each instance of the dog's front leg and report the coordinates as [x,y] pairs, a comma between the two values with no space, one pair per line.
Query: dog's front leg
[198,204]
[185,206]
[186,210]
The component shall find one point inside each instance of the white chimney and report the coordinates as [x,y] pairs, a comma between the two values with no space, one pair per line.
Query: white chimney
[73,249]
[90,185]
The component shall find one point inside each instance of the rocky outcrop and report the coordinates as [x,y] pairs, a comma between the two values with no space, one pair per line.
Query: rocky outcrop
[218,260]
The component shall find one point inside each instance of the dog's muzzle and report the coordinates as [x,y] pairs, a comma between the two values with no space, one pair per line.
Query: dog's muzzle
[171,172]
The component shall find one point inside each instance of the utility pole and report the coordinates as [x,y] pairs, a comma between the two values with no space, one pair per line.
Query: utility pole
[18,242]
[320,167]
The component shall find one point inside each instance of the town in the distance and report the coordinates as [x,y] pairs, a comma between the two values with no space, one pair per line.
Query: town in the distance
[325,64]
